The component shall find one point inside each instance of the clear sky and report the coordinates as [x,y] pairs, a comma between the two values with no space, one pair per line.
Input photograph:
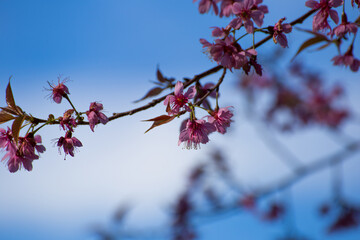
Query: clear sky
[110,50]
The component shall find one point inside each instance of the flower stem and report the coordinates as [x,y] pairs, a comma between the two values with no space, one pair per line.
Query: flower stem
[72,105]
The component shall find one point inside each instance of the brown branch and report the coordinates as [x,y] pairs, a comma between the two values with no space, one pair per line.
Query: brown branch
[212,89]
[188,83]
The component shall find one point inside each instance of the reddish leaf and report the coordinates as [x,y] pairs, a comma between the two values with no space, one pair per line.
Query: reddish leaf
[309,43]
[9,110]
[16,126]
[159,76]
[160,120]
[317,34]
[9,97]
[324,46]
[4,117]
[153,92]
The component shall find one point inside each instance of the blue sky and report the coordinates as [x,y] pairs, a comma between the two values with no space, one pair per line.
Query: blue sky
[110,50]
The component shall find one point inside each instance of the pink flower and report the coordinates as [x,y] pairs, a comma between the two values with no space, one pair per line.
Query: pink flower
[279,30]
[228,53]
[324,6]
[226,8]
[6,139]
[24,153]
[221,119]
[95,116]
[68,143]
[205,5]
[67,121]
[347,59]
[220,32]
[195,132]
[345,27]
[245,12]
[262,8]
[179,100]
[59,91]
[28,145]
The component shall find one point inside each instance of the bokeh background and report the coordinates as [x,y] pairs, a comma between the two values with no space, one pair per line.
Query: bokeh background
[110,50]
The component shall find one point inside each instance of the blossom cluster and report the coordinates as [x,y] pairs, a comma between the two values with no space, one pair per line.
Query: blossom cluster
[226,49]
[22,151]
[68,121]
[195,131]
[325,10]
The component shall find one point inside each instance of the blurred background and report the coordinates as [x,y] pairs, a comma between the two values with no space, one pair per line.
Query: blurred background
[111,50]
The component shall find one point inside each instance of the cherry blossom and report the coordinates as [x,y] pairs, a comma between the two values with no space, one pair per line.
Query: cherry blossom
[320,21]
[95,115]
[195,132]
[59,91]
[69,143]
[221,119]
[279,30]
[179,100]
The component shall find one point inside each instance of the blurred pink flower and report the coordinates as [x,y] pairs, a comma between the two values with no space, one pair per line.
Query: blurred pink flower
[345,27]
[347,60]
[205,5]
[320,20]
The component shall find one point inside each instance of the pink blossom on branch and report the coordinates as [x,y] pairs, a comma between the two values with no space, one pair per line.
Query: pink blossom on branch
[221,119]
[59,91]
[22,154]
[228,53]
[174,103]
[347,60]
[68,143]
[279,30]
[320,20]
[6,139]
[345,27]
[195,132]
[95,115]
[245,12]
[67,121]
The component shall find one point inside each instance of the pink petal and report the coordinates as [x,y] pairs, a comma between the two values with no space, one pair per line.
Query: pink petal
[311,4]
[190,92]
[178,88]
